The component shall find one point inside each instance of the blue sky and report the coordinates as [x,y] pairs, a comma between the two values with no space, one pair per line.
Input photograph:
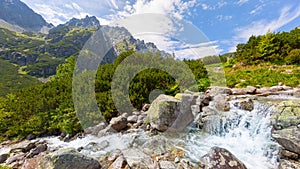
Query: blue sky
[224,22]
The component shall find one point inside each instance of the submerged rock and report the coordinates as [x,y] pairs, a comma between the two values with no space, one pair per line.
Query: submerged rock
[220,158]
[245,104]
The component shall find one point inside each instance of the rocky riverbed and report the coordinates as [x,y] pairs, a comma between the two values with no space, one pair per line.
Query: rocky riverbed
[221,128]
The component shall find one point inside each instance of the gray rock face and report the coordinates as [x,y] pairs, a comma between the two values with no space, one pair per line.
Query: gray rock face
[219,158]
[289,138]
[68,159]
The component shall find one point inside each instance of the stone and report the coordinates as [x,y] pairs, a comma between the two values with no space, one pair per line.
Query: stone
[216,90]
[250,90]
[137,159]
[120,162]
[119,123]
[3,158]
[146,107]
[31,137]
[166,165]
[276,88]
[289,138]
[163,112]
[68,159]
[239,91]
[287,164]
[132,119]
[245,104]
[40,148]
[17,157]
[220,158]
[31,163]
[287,154]
[203,100]
[263,90]
[286,114]
[195,110]
[95,129]
[221,103]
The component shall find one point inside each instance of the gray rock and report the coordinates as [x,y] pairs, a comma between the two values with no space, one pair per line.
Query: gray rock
[3,158]
[220,158]
[250,90]
[239,91]
[119,123]
[220,102]
[166,165]
[40,148]
[120,162]
[95,129]
[163,112]
[286,164]
[216,90]
[245,104]
[203,100]
[146,107]
[289,138]
[132,119]
[17,157]
[138,159]
[195,110]
[68,159]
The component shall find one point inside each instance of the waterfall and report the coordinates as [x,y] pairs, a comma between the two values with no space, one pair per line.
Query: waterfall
[246,134]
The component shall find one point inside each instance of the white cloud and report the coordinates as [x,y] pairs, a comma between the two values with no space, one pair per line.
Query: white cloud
[224,17]
[218,5]
[287,15]
[241,2]
[258,9]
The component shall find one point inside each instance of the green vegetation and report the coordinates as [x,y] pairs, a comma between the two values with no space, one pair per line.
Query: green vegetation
[265,61]
[11,81]
[47,108]
[5,167]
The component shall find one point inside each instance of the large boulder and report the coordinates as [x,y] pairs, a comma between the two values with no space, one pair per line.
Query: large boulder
[163,112]
[68,159]
[286,114]
[221,103]
[289,138]
[220,158]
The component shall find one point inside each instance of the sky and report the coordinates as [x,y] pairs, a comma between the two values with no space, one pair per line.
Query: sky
[219,25]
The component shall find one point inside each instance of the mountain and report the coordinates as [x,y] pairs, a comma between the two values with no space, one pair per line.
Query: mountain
[17,16]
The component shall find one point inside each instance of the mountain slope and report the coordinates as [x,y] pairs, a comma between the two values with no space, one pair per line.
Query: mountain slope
[19,14]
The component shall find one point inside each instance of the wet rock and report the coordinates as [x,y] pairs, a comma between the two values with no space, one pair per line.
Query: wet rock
[3,158]
[40,148]
[203,100]
[245,104]
[155,146]
[195,110]
[95,129]
[288,164]
[68,159]
[220,102]
[15,158]
[31,137]
[287,154]
[220,158]
[95,147]
[119,123]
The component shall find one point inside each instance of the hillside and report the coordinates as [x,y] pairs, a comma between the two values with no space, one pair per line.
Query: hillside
[18,14]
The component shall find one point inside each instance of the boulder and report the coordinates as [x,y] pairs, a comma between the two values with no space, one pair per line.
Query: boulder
[119,123]
[289,138]
[221,102]
[163,112]
[215,90]
[3,158]
[166,165]
[245,104]
[137,159]
[287,164]
[40,148]
[220,158]
[146,107]
[239,91]
[286,114]
[203,100]
[68,159]
[120,162]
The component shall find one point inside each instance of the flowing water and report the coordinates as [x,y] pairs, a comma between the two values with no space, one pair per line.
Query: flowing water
[247,135]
